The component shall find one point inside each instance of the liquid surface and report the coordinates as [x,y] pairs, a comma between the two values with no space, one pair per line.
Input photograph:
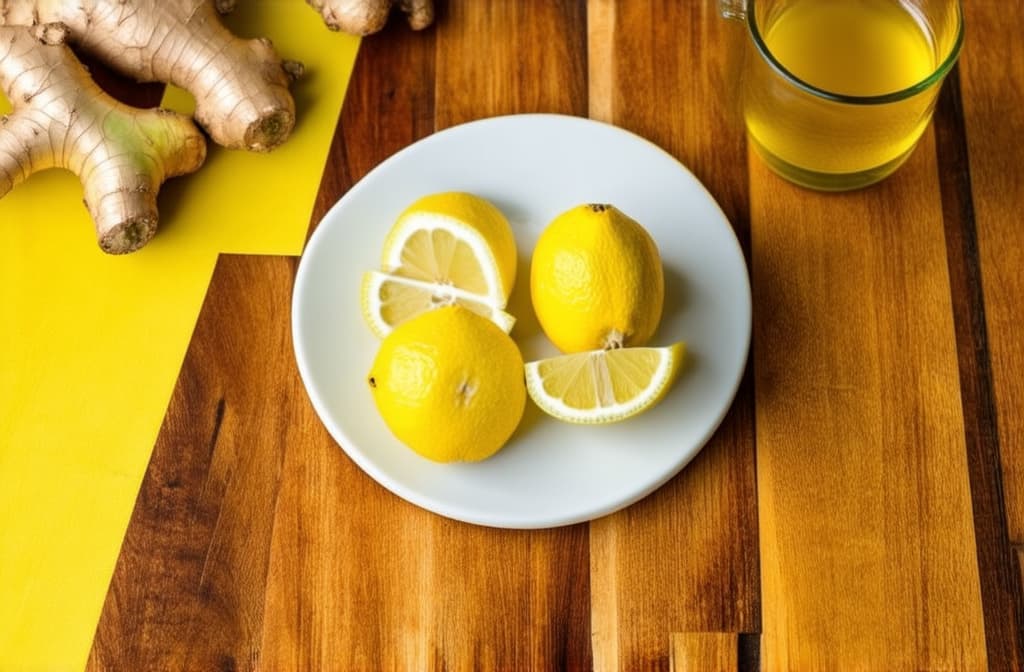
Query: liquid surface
[852,47]
[849,47]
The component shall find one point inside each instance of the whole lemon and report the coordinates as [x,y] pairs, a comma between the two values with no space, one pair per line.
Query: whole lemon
[596,280]
[450,385]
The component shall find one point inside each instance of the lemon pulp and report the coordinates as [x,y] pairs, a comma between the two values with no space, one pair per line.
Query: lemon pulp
[444,249]
[603,386]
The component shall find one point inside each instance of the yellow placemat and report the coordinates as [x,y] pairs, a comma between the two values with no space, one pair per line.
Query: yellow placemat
[91,345]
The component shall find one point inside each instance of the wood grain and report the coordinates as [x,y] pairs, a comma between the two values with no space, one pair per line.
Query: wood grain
[704,651]
[359,578]
[867,545]
[1000,588]
[987,139]
[507,57]
[993,108]
[187,592]
[684,559]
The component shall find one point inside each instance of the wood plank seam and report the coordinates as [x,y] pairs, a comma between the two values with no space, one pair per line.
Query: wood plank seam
[703,651]
[698,650]
[1002,595]
[650,73]
[748,658]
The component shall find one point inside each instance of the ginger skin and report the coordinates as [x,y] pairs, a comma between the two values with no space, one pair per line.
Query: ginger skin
[63,119]
[240,86]
[363,17]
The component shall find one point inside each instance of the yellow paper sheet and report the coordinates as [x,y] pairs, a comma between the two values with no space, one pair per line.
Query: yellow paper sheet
[91,345]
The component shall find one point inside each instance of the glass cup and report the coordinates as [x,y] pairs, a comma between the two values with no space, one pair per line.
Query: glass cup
[836,93]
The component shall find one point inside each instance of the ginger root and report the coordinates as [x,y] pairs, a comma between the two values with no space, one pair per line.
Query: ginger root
[240,86]
[363,17]
[63,119]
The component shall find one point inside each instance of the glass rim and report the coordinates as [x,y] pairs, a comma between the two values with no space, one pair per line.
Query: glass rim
[895,96]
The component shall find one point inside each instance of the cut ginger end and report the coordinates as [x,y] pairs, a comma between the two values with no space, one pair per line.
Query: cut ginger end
[55,123]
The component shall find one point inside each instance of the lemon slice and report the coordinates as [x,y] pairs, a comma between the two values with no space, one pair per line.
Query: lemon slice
[454,239]
[603,386]
[390,300]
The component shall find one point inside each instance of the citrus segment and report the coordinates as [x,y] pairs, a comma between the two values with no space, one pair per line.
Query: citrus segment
[438,255]
[603,386]
[388,301]
[454,238]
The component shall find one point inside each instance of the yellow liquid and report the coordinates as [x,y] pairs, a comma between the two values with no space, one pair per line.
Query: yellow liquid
[852,47]
[849,48]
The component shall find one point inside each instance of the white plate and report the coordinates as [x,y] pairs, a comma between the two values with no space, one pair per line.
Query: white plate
[532,167]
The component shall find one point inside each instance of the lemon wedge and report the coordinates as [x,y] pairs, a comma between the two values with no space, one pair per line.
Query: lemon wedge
[603,386]
[390,300]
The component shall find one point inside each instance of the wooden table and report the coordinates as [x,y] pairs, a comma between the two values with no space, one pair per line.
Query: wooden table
[861,507]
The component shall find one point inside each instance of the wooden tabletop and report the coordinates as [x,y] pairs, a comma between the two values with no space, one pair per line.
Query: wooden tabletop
[861,507]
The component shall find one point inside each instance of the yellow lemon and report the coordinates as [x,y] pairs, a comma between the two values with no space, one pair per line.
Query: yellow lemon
[449,384]
[444,249]
[603,386]
[455,239]
[596,280]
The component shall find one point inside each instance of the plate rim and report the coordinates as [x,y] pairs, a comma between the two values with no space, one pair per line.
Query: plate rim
[438,506]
